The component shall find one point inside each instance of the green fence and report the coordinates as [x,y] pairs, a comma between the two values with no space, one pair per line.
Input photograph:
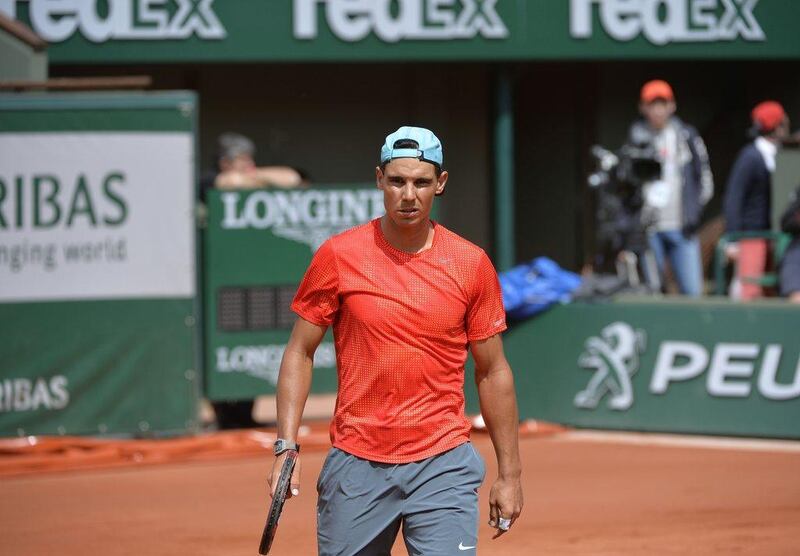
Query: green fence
[708,367]
[97,264]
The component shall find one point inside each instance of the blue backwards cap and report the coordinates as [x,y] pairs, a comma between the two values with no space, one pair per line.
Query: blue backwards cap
[430,148]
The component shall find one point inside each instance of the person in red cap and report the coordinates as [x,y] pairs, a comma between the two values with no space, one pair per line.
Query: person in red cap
[748,195]
[673,204]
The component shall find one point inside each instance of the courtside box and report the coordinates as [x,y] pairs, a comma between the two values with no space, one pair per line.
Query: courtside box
[257,246]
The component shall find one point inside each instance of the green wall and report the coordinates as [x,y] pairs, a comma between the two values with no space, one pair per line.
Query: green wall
[706,368]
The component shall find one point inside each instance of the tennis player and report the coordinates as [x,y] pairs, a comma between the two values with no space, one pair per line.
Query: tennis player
[406,297]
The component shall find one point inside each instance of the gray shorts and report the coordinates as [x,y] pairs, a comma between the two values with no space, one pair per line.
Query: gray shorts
[362,504]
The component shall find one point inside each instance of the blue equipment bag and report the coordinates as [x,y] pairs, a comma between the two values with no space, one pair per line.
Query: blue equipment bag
[531,288]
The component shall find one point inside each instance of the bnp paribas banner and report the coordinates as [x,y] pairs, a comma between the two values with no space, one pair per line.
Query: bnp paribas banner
[84,216]
[670,366]
[108,31]
[258,245]
[97,264]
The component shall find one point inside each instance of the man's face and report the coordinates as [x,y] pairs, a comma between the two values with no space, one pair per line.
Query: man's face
[239,163]
[658,112]
[782,131]
[409,186]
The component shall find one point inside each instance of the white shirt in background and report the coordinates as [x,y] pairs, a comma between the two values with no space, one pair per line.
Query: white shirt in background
[769,151]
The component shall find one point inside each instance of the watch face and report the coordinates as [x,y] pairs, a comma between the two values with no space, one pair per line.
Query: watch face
[282,445]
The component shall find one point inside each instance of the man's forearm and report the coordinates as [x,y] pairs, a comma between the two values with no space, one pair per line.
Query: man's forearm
[278,176]
[294,384]
[498,404]
[233,179]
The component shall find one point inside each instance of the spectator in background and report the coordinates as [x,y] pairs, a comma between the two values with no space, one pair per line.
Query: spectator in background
[675,202]
[748,195]
[236,168]
[790,265]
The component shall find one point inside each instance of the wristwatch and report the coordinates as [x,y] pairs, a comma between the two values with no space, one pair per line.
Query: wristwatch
[282,445]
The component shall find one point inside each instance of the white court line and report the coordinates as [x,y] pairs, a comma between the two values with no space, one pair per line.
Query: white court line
[682,441]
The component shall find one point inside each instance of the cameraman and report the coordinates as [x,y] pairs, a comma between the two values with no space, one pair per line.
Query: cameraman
[674,203]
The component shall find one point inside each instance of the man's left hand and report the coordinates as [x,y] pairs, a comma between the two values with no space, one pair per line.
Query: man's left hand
[505,503]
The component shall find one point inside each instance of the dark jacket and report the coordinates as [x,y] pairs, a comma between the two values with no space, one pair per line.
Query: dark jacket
[790,221]
[698,182]
[790,265]
[748,195]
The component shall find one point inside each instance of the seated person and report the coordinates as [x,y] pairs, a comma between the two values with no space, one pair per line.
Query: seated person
[236,168]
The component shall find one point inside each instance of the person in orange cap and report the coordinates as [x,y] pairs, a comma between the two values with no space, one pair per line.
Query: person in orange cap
[748,195]
[673,203]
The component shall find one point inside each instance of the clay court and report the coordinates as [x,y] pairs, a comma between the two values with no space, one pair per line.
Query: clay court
[585,493]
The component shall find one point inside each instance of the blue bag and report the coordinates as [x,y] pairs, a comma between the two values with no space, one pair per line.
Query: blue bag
[531,288]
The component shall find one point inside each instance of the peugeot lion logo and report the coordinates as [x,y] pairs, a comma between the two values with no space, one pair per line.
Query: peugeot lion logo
[614,358]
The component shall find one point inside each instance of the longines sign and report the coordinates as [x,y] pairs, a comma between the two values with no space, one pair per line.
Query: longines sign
[308,217]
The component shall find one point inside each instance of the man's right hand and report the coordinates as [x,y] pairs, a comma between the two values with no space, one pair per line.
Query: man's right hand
[732,251]
[294,488]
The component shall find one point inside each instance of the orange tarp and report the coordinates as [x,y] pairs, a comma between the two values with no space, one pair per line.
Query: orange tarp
[35,454]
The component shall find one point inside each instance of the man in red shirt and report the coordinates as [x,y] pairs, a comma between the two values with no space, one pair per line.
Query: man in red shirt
[405,297]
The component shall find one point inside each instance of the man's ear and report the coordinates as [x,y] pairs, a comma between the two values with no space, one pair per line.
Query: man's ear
[441,182]
[378,177]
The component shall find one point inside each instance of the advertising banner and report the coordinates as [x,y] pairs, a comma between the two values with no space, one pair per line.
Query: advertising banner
[133,31]
[258,245]
[706,368]
[87,219]
[97,264]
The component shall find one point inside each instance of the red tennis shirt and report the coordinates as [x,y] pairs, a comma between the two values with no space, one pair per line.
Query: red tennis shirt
[401,324]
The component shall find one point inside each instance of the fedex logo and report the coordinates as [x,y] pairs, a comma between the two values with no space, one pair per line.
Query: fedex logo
[58,20]
[353,20]
[667,21]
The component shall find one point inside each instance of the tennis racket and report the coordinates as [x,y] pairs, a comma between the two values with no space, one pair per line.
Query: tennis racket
[281,490]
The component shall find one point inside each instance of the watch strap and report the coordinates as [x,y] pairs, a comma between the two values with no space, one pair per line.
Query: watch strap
[282,446]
